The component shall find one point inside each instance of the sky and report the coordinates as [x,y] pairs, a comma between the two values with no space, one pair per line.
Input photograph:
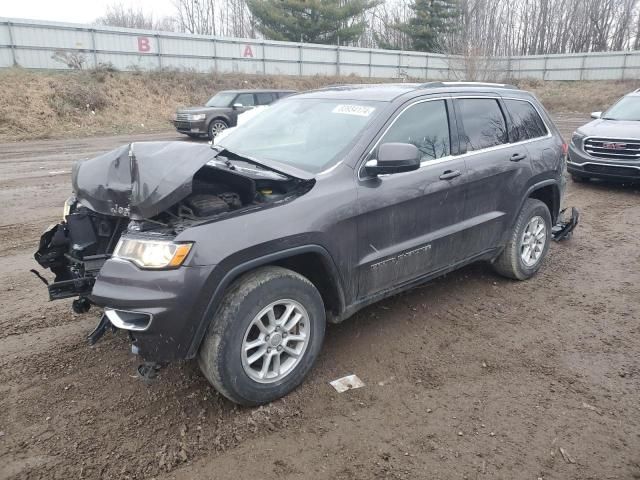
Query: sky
[78,11]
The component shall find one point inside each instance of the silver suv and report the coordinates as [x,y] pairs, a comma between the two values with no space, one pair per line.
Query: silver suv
[609,146]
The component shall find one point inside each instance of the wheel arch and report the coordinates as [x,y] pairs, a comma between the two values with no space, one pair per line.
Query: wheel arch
[218,117]
[312,261]
[548,192]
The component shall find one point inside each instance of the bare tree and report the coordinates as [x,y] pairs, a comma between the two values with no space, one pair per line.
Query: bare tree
[486,28]
[117,15]
[215,17]
[196,16]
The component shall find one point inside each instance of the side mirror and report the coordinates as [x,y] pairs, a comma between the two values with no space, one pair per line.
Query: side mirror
[596,114]
[394,158]
[236,106]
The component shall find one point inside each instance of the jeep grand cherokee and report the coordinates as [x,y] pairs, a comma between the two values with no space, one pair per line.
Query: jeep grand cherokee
[240,253]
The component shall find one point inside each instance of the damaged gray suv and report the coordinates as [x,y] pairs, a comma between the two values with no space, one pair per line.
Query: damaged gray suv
[239,254]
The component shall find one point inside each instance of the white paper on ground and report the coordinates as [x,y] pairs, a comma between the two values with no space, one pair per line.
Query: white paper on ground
[346,383]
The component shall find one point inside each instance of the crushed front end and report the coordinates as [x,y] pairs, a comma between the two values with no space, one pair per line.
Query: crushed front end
[119,244]
[75,250]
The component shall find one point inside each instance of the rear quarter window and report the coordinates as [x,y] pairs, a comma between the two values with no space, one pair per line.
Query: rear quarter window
[525,121]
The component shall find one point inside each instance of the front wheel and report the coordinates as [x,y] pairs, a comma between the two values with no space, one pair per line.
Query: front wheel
[265,336]
[529,242]
[216,126]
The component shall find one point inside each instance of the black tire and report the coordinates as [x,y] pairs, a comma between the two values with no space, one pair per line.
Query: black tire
[579,179]
[212,127]
[220,355]
[510,263]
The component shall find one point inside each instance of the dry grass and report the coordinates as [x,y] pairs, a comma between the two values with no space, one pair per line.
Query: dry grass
[74,104]
[580,97]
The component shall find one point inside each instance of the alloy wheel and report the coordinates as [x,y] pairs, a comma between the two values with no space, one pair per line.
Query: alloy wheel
[275,341]
[533,241]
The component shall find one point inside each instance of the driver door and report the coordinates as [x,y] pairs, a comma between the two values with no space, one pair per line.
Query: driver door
[411,224]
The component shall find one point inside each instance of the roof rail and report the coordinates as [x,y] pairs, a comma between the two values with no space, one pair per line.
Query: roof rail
[467,84]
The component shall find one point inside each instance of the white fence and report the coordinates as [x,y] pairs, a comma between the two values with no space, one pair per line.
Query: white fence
[33,44]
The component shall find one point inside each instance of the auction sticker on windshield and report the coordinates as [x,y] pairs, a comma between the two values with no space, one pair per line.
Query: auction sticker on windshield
[359,110]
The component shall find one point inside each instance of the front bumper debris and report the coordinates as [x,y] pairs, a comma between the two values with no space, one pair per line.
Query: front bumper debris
[103,325]
[563,229]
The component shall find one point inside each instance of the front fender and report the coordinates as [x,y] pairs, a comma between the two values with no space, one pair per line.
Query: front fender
[229,270]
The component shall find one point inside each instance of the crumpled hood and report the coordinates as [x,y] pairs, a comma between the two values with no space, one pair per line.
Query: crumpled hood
[139,180]
[611,128]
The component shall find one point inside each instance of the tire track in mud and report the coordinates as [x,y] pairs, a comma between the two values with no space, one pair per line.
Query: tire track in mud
[470,353]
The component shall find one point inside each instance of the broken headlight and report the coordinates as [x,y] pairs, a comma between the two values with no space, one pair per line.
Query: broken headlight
[194,117]
[155,254]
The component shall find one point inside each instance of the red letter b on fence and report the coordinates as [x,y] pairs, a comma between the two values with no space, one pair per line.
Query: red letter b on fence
[144,44]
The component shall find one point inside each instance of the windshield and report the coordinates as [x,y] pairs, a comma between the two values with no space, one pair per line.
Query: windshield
[305,133]
[222,99]
[627,108]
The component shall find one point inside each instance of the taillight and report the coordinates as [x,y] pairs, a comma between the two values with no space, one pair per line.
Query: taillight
[565,149]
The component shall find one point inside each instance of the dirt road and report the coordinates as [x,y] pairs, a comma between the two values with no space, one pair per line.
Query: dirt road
[471,376]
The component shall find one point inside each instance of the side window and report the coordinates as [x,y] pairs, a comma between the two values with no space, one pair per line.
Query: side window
[246,99]
[265,98]
[425,125]
[527,123]
[483,121]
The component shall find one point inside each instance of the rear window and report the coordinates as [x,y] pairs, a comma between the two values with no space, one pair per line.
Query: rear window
[527,123]
[483,123]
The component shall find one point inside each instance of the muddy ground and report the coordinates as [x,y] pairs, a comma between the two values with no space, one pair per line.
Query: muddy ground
[470,376]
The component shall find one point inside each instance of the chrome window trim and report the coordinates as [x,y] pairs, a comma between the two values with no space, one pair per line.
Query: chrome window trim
[448,158]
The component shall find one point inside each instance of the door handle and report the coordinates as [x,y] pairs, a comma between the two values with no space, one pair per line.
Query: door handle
[516,157]
[449,174]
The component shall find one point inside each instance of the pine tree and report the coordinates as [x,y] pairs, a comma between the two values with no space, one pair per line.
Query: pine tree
[431,20]
[335,22]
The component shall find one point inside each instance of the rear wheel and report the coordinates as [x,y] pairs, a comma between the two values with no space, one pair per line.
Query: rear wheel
[216,126]
[265,336]
[529,242]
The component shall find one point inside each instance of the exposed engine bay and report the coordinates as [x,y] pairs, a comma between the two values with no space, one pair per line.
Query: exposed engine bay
[141,190]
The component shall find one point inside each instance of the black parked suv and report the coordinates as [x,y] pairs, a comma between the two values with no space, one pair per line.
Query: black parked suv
[222,110]
[239,254]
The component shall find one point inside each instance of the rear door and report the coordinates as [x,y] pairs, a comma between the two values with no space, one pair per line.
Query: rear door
[247,100]
[498,171]
[265,98]
[409,223]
